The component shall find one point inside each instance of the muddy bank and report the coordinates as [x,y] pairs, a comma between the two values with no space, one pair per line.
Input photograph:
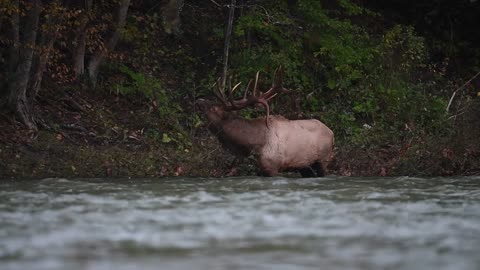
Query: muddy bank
[100,135]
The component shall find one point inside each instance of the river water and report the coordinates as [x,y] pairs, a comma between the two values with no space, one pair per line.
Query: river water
[241,223]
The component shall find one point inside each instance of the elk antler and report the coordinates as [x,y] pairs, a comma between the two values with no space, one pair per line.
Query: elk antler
[277,85]
[246,100]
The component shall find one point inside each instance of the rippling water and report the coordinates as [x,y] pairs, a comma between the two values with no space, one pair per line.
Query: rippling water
[241,223]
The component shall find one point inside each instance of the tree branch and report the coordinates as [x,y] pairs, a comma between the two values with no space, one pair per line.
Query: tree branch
[226,47]
[458,89]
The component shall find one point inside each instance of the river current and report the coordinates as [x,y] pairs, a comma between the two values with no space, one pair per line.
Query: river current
[241,223]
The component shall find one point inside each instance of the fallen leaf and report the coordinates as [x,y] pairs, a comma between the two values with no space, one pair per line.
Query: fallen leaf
[178,171]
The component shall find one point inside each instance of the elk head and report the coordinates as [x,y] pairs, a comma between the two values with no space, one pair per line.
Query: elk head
[220,111]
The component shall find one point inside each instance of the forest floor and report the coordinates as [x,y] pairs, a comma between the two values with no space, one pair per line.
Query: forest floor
[103,135]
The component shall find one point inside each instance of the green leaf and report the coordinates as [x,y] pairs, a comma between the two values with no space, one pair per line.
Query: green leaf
[331,84]
[166,138]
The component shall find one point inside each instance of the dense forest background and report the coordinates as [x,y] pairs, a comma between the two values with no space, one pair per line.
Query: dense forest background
[95,88]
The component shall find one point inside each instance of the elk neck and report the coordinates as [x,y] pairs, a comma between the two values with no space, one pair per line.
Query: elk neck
[242,136]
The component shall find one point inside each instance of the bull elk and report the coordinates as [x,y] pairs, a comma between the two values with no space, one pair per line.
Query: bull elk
[278,144]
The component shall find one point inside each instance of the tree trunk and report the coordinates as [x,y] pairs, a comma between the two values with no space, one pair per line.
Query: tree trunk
[226,47]
[97,58]
[47,39]
[13,51]
[79,51]
[17,91]
[45,47]
[80,42]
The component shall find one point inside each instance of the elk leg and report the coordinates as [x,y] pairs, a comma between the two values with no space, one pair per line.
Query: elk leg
[319,168]
[266,169]
[235,159]
[263,173]
[307,172]
[267,172]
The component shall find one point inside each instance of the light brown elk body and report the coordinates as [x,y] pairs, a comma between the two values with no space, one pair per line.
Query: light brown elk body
[277,143]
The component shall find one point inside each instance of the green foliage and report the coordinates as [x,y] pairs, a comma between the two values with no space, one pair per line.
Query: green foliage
[266,42]
[319,53]
[140,85]
[393,94]
[392,97]
[340,49]
[360,84]
[148,87]
[366,85]
[354,9]
[152,50]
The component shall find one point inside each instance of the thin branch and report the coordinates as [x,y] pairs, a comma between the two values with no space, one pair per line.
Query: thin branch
[464,110]
[226,47]
[217,4]
[458,89]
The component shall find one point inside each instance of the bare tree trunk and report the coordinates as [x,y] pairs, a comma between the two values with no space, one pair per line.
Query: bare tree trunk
[45,47]
[17,90]
[79,50]
[226,47]
[13,51]
[80,42]
[97,58]
[10,54]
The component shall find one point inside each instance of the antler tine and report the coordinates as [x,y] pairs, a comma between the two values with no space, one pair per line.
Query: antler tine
[230,96]
[277,80]
[235,87]
[253,99]
[256,82]
[246,89]
[272,96]
[277,85]
[221,88]
[219,93]
[267,108]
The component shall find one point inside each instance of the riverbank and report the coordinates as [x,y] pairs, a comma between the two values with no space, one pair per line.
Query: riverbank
[401,93]
[86,134]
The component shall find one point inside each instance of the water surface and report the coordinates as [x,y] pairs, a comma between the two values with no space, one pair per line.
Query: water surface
[241,223]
